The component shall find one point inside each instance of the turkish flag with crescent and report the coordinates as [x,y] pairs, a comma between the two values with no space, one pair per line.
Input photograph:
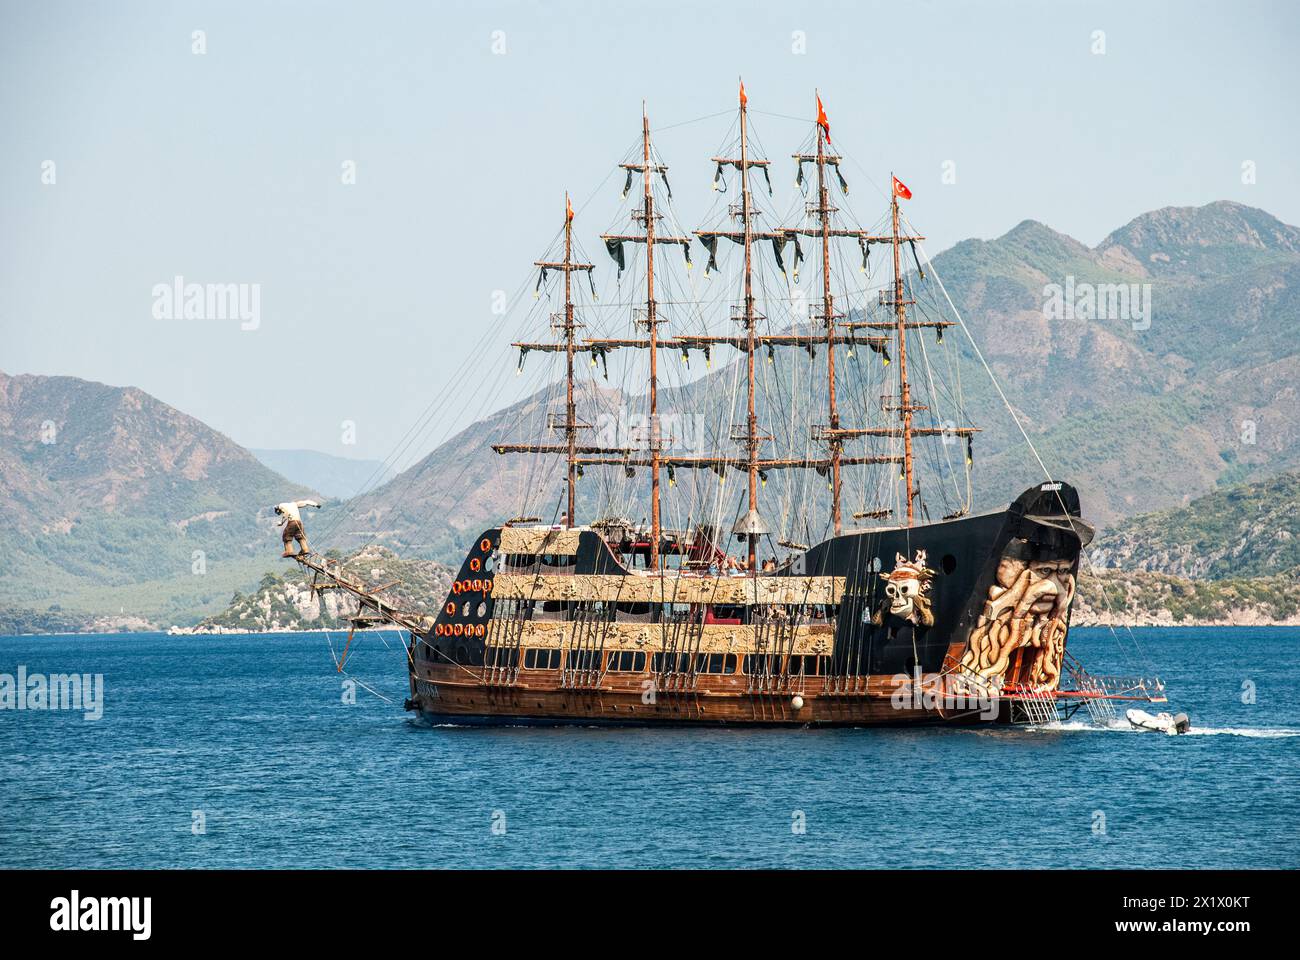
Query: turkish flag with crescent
[821,119]
[900,189]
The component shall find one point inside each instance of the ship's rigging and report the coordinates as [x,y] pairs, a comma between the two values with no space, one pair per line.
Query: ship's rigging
[825,325]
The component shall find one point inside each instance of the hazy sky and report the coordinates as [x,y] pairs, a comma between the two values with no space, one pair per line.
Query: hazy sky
[227,166]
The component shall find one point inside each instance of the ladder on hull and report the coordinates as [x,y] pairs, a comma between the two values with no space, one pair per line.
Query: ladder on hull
[1034,708]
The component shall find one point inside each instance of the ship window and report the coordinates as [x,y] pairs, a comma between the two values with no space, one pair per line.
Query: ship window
[672,662]
[948,563]
[501,657]
[464,611]
[761,664]
[716,663]
[542,659]
[810,666]
[558,560]
[629,661]
[482,608]
[585,659]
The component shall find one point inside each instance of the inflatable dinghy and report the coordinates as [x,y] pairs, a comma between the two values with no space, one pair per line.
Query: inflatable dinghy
[1170,723]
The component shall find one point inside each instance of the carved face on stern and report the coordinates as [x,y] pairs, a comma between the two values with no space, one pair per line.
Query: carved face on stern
[1026,610]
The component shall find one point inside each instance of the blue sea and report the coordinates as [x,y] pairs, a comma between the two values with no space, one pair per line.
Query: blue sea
[240,751]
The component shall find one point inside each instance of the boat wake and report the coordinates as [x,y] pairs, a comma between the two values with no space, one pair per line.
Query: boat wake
[1123,726]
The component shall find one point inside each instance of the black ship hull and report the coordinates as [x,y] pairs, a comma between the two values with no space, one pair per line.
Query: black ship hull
[987,622]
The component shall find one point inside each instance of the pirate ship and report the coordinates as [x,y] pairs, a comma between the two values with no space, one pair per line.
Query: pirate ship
[888,616]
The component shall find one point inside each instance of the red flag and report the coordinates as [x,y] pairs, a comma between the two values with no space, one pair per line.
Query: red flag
[900,189]
[743,99]
[569,205]
[821,119]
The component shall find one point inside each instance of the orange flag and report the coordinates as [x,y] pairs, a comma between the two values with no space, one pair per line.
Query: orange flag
[569,205]
[821,119]
[743,99]
[900,189]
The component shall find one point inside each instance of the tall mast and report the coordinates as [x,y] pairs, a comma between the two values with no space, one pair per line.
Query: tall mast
[653,329]
[905,390]
[751,422]
[828,317]
[570,410]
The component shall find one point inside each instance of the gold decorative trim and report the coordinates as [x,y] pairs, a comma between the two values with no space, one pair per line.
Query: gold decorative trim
[813,639]
[535,540]
[642,588]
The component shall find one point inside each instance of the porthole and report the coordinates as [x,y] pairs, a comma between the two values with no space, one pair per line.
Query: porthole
[482,608]
[948,563]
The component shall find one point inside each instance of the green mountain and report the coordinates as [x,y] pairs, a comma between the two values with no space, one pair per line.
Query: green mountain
[1141,419]
[1246,530]
[114,503]
[1231,556]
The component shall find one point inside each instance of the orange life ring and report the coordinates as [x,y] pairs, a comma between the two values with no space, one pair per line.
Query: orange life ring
[485,544]
[450,608]
[487,585]
[475,564]
[459,629]
[480,630]
[438,630]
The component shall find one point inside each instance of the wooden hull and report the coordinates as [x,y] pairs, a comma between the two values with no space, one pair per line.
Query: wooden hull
[551,627]
[438,697]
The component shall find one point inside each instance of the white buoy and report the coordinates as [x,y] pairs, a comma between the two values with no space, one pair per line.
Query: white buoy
[797,702]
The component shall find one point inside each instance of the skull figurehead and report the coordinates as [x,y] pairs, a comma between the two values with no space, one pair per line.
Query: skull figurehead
[907,588]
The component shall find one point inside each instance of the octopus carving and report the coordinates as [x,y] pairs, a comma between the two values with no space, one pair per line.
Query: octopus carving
[907,588]
[1026,610]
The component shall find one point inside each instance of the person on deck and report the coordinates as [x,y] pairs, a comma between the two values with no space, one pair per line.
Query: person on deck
[291,520]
